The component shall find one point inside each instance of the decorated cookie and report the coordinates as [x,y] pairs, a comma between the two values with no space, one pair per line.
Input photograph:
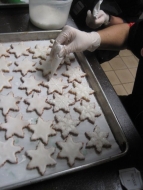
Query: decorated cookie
[24,66]
[70,150]
[4,64]
[41,158]
[9,102]
[8,151]
[39,51]
[19,49]
[87,111]
[42,130]
[55,85]
[5,81]
[98,139]
[37,103]
[4,51]
[14,126]
[30,84]
[44,66]
[74,73]
[61,102]
[81,91]
[66,125]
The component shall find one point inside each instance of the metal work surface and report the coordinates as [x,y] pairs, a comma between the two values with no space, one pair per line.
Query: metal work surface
[102,177]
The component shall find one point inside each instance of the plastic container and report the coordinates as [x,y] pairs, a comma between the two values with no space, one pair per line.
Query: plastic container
[49,14]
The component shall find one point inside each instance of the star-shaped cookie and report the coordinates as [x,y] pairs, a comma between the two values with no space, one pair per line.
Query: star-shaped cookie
[8,151]
[98,139]
[42,130]
[81,91]
[30,84]
[9,102]
[4,81]
[45,67]
[66,125]
[41,158]
[19,49]
[4,51]
[74,73]
[87,111]
[39,51]
[4,64]
[55,85]
[14,126]
[70,150]
[61,102]
[24,66]
[37,103]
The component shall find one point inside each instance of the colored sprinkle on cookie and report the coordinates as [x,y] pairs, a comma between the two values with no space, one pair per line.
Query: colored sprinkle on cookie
[70,150]
[98,139]
[4,81]
[4,64]
[41,158]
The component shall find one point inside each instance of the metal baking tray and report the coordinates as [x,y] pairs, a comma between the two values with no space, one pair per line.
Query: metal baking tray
[100,97]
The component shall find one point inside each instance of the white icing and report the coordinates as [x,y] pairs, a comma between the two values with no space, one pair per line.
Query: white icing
[70,150]
[8,151]
[25,66]
[4,51]
[19,49]
[81,91]
[41,158]
[42,130]
[66,125]
[38,107]
[30,84]
[98,139]
[4,81]
[74,74]
[14,126]
[9,102]
[87,111]
[55,85]
[4,64]
[61,102]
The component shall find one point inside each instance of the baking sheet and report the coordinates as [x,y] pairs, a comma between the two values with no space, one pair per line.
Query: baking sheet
[15,175]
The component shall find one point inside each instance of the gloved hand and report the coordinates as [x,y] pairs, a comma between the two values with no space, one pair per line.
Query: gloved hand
[102,18]
[74,40]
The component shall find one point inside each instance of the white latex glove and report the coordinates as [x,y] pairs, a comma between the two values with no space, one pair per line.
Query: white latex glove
[101,18]
[74,40]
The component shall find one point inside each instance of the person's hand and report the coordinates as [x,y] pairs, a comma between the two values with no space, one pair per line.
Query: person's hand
[74,40]
[101,18]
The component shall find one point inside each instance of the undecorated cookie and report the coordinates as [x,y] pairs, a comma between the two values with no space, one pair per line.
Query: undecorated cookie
[98,139]
[42,130]
[41,158]
[5,81]
[4,64]
[8,151]
[14,126]
[4,51]
[70,150]
[44,66]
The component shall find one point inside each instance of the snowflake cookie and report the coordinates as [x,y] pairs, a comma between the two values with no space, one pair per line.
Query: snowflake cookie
[55,85]
[4,51]
[41,158]
[70,150]
[61,102]
[8,151]
[14,126]
[24,66]
[4,64]
[81,91]
[42,130]
[98,139]
[66,125]
[30,84]
[45,67]
[19,49]
[87,111]
[37,103]
[74,74]
[9,102]
[4,81]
